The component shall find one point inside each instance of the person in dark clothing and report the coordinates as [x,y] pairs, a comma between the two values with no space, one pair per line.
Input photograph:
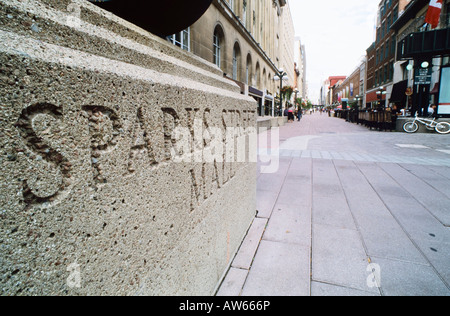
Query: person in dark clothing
[435,112]
[299,115]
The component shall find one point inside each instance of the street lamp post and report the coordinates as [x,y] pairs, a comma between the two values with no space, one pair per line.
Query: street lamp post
[381,109]
[280,76]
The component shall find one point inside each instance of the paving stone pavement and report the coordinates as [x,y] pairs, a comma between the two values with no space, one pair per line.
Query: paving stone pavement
[347,212]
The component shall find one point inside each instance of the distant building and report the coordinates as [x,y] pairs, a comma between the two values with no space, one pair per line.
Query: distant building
[350,92]
[300,67]
[331,85]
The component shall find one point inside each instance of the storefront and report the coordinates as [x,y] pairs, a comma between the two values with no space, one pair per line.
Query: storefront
[258,96]
[399,95]
[373,99]
[268,105]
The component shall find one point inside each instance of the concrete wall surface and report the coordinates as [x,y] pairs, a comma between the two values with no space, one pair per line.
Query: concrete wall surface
[127,164]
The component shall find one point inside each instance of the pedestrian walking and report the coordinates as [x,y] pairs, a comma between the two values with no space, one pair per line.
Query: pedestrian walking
[299,115]
[291,117]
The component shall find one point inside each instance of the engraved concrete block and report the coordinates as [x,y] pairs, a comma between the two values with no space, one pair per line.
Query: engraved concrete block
[125,162]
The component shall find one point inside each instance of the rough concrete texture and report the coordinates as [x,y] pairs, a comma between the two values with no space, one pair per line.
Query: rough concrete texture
[91,200]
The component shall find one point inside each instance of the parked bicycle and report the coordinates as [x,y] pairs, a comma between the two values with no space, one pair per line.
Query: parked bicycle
[439,127]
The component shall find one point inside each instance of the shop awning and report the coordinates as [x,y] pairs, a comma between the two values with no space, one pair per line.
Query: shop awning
[398,92]
[255,92]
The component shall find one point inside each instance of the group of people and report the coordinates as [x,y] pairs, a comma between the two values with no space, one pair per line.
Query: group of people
[293,113]
[432,111]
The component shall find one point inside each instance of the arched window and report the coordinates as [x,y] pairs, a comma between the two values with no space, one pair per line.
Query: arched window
[236,61]
[218,49]
[258,76]
[264,79]
[248,71]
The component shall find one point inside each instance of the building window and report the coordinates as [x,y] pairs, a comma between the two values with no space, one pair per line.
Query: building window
[218,41]
[248,71]
[395,14]
[244,13]
[393,46]
[236,61]
[217,50]
[231,2]
[391,71]
[386,50]
[182,39]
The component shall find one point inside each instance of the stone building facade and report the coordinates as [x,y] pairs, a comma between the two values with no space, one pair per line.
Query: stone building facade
[249,40]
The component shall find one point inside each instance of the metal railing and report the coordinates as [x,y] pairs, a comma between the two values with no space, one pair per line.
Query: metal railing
[433,43]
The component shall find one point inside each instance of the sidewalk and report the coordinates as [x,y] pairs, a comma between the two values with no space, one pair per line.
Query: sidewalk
[348,212]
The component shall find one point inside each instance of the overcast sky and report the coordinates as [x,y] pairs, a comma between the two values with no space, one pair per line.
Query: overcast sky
[336,35]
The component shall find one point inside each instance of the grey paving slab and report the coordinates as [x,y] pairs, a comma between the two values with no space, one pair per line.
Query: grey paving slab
[290,224]
[438,254]
[413,217]
[291,218]
[425,230]
[300,167]
[357,157]
[382,234]
[233,282]
[442,170]
[399,278]
[329,202]
[306,154]
[285,152]
[265,201]
[349,156]
[436,202]
[343,199]
[324,289]
[296,153]
[279,269]
[336,155]
[326,155]
[315,154]
[434,179]
[244,257]
[269,186]
[339,258]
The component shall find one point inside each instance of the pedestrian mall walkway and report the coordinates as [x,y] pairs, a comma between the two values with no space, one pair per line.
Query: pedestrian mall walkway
[347,212]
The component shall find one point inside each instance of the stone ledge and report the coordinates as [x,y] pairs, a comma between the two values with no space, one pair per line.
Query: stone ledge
[92,201]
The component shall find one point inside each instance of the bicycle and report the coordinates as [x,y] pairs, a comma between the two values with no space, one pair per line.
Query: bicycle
[440,127]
